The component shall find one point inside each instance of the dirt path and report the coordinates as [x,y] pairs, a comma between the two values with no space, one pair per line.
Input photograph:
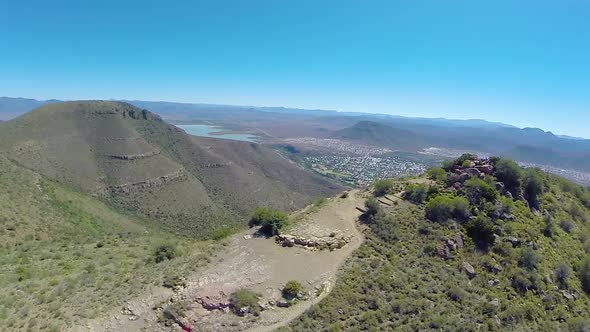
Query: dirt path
[259,264]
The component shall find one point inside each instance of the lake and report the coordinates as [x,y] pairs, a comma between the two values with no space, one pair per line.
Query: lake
[208,130]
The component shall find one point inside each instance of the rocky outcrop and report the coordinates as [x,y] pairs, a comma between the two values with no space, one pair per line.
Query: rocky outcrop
[157,182]
[219,302]
[287,240]
[136,156]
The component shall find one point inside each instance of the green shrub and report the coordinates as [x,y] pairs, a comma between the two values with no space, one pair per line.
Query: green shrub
[373,207]
[585,274]
[383,187]
[562,273]
[457,294]
[481,230]
[292,289]
[418,193]
[478,190]
[443,207]
[164,252]
[245,298]
[578,324]
[271,221]
[549,229]
[529,258]
[523,281]
[533,184]
[222,233]
[508,172]
[567,225]
[344,194]
[437,174]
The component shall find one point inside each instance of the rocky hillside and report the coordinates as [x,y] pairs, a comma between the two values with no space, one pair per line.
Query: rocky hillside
[132,159]
[482,245]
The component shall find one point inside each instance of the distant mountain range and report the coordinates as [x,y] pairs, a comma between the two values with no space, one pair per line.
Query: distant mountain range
[12,107]
[528,144]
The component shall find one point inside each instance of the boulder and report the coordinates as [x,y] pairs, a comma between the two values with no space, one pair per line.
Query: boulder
[459,240]
[514,241]
[495,303]
[444,253]
[451,245]
[493,283]
[486,169]
[474,172]
[244,311]
[468,269]
[282,304]
[499,230]
[567,295]
[497,239]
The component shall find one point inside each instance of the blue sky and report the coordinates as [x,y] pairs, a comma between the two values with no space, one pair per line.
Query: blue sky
[521,62]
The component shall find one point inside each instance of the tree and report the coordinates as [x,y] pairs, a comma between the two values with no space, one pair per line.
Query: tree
[508,172]
[271,221]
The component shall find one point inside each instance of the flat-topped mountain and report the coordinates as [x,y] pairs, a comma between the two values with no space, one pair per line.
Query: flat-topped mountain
[131,158]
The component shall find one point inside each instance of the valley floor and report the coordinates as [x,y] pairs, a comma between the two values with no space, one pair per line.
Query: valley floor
[255,263]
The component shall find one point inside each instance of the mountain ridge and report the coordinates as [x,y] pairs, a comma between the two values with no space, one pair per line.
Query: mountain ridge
[131,158]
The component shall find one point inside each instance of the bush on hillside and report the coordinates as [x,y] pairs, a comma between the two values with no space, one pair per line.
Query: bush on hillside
[585,274]
[383,187]
[549,229]
[508,172]
[533,185]
[478,191]
[437,174]
[562,273]
[523,281]
[419,193]
[529,258]
[373,207]
[245,298]
[271,221]
[164,252]
[442,208]
[567,225]
[292,289]
[481,230]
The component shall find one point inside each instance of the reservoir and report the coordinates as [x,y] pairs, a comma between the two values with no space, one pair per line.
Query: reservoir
[215,132]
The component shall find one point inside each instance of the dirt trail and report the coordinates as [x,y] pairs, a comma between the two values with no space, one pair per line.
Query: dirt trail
[259,264]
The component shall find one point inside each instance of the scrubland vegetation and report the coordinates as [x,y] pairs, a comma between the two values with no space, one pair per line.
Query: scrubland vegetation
[66,257]
[507,250]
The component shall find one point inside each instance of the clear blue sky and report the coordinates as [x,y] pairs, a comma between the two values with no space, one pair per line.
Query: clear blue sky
[518,61]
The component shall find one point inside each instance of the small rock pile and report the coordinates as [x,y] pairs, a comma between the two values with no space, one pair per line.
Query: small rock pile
[477,168]
[287,240]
